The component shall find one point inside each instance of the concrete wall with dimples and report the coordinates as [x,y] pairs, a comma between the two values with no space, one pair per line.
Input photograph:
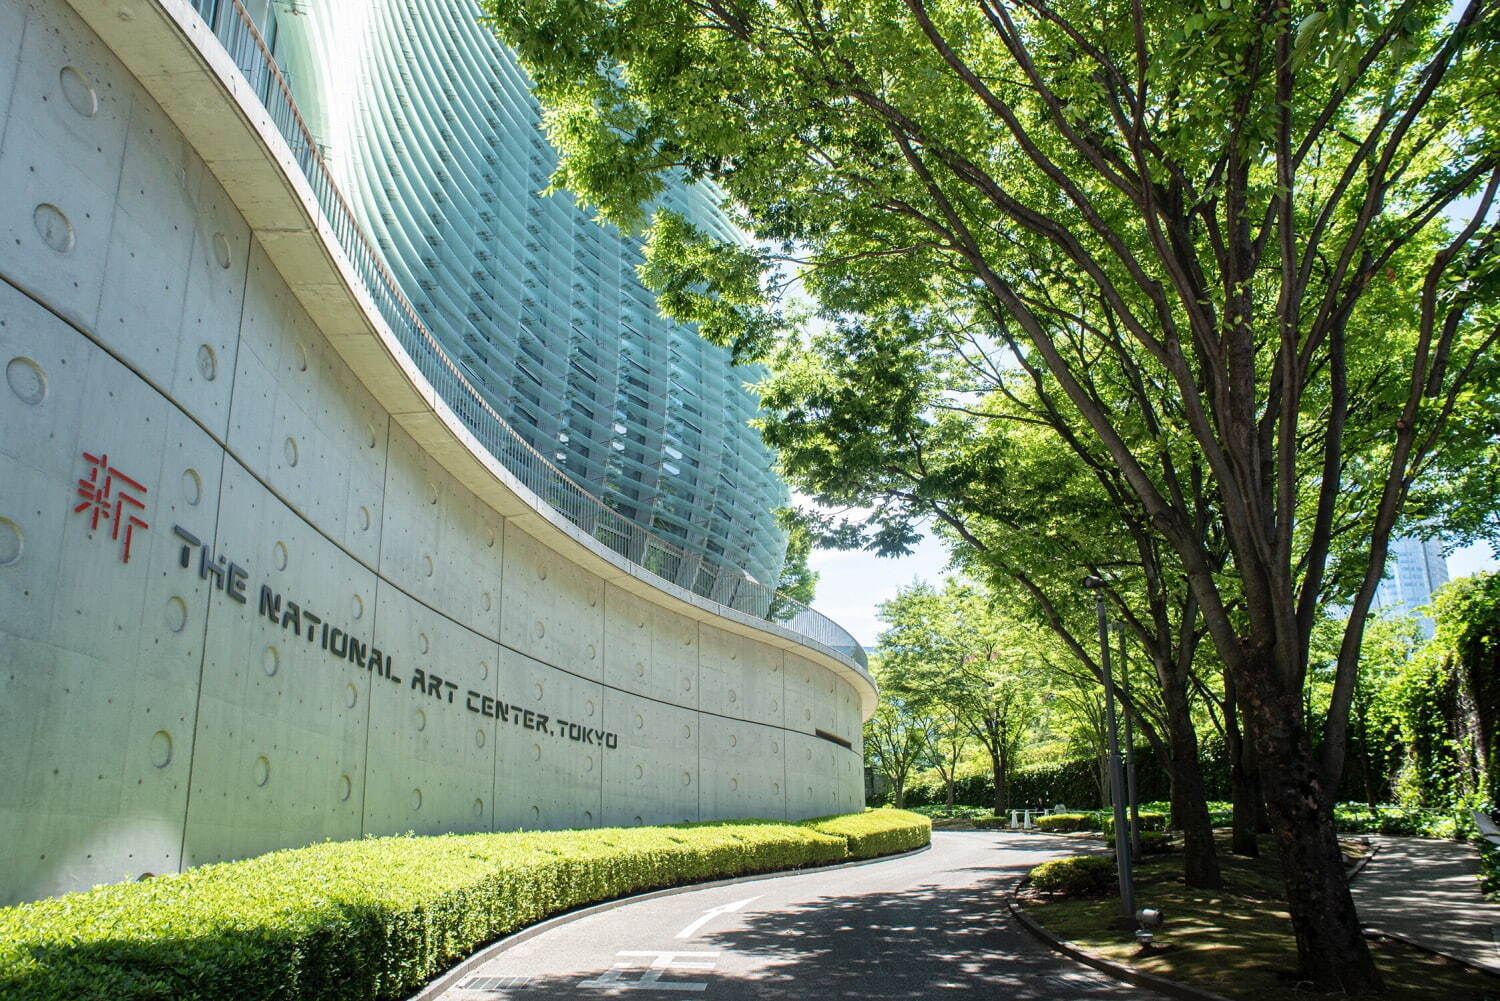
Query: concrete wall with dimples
[149,720]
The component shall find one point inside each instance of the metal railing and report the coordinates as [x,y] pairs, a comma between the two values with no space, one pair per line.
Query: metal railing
[695,572]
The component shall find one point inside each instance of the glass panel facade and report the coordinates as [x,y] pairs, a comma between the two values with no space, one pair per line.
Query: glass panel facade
[430,129]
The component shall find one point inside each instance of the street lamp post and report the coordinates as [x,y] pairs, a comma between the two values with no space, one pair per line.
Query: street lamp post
[1134,794]
[1116,771]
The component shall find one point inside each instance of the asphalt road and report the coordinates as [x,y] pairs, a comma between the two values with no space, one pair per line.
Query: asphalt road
[932,925]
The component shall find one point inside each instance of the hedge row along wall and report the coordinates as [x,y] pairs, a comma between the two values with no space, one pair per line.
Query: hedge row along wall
[377,919]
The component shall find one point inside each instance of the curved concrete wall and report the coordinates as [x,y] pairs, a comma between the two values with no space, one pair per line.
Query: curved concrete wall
[219,693]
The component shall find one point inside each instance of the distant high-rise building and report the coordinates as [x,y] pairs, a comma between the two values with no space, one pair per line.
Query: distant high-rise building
[1415,569]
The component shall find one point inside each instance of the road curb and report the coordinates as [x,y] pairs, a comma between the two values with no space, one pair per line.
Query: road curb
[446,980]
[1119,971]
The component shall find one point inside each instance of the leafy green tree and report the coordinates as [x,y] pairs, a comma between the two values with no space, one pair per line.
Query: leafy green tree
[895,740]
[953,648]
[1236,213]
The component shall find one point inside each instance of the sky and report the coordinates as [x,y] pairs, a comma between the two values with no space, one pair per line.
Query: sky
[852,584]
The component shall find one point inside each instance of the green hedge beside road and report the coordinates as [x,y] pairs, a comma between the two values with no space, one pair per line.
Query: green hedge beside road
[378,918]
[877,832]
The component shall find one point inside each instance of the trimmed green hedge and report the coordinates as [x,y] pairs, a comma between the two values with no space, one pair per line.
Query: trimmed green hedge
[1077,875]
[877,832]
[378,918]
[1066,822]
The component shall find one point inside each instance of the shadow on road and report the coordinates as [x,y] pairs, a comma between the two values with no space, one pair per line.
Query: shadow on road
[927,941]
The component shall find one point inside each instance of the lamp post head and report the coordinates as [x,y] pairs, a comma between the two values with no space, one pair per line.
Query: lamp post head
[1093,583]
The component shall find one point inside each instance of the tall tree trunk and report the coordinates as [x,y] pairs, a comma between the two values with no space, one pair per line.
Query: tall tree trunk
[1244,783]
[1330,944]
[899,795]
[1200,862]
[1001,792]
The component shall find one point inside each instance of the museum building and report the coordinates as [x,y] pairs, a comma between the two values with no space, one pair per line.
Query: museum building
[348,484]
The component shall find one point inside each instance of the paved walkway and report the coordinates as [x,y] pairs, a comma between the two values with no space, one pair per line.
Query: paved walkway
[1428,892]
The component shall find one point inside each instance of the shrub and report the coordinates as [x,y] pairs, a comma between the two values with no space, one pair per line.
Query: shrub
[372,919]
[1359,818]
[876,832]
[1066,822]
[1155,843]
[992,823]
[1150,821]
[1075,876]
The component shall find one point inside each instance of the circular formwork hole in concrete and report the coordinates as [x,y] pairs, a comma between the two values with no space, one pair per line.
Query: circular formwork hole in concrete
[12,543]
[421,718]
[176,614]
[27,380]
[53,227]
[300,356]
[192,487]
[734,784]
[687,778]
[345,788]
[588,818]
[422,642]
[539,692]
[485,601]
[416,799]
[290,451]
[484,670]
[536,752]
[427,567]
[478,807]
[479,738]
[640,772]
[364,519]
[540,629]
[221,250]
[357,607]
[536,814]
[161,749]
[351,697]
[270,661]
[734,741]
[208,363]
[78,91]
[279,556]
[588,762]
[260,772]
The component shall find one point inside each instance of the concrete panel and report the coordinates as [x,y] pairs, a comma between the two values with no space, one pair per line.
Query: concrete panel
[739,677]
[101,656]
[652,778]
[650,650]
[545,778]
[279,750]
[12,30]
[439,543]
[60,166]
[431,757]
[741,777]
[550,608]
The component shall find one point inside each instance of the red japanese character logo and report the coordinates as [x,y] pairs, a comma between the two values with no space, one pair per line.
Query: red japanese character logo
[107,494]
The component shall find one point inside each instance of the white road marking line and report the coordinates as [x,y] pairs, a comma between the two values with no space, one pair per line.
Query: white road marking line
[650,978]
[714,912]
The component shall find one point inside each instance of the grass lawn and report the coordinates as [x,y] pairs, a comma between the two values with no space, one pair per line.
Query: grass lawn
[1238,941]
